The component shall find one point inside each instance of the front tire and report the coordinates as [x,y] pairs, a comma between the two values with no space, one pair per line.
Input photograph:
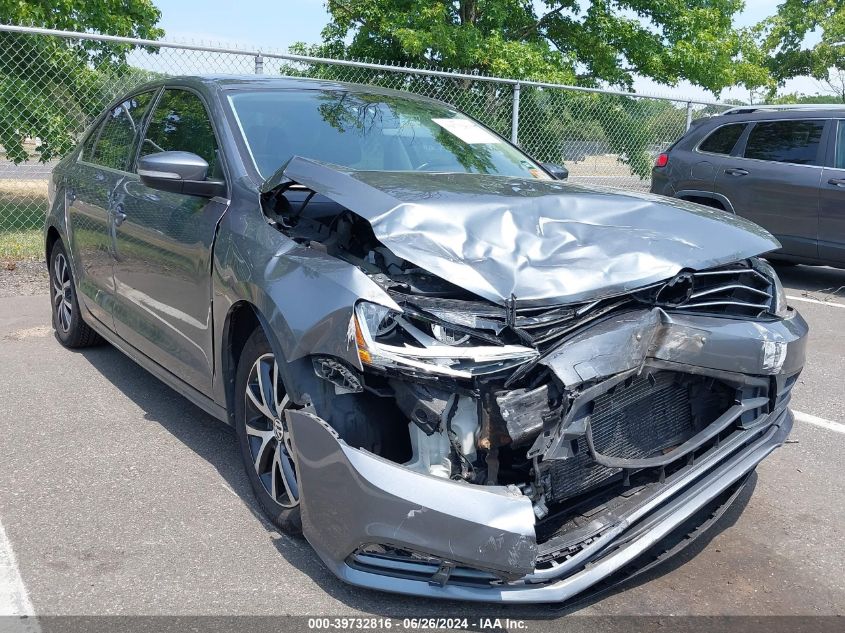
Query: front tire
[265,442]
[71,329]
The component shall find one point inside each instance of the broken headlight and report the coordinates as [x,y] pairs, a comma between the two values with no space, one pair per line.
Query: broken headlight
[386,338]
[779,307]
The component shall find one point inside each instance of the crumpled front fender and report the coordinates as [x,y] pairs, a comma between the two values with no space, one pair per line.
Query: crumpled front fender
[351,498]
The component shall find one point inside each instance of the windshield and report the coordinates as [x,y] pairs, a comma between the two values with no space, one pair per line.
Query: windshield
[370,132]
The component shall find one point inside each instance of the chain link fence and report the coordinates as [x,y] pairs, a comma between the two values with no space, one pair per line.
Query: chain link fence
[53,83]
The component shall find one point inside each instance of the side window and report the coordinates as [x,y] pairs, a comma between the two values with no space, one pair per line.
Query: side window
[113,147]
[786,142]
[839,163]
[180,123]
[722,140]
[88,147]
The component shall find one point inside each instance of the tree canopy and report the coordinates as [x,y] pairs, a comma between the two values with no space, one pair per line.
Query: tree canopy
[784,36]
[555,40]
[783,39]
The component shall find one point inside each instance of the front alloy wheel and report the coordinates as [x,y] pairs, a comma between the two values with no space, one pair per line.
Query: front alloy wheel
[269,440]
[266,445]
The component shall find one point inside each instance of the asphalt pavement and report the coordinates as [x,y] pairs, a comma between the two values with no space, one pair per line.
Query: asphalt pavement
[117,496]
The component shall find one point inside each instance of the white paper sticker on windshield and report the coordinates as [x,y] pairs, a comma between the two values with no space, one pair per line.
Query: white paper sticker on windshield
[468,131]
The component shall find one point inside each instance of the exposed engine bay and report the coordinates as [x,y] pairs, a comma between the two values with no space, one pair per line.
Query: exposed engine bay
[523,395]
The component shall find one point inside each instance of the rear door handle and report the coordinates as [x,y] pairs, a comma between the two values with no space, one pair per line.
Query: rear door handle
[837,182]
[736,171]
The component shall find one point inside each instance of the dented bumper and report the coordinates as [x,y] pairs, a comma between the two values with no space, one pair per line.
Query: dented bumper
[352,499]
[380,525]
[355,498]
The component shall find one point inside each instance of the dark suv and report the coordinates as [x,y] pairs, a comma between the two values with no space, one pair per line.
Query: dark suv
[782,168]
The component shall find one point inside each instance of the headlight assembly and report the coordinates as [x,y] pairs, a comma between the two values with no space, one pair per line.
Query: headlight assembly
[386,338]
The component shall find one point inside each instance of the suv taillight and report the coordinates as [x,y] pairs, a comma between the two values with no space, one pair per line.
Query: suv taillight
[662,160]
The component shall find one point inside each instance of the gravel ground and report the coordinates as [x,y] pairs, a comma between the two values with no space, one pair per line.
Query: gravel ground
[24,278]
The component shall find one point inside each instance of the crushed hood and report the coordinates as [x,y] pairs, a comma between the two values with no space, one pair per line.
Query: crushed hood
[539,241]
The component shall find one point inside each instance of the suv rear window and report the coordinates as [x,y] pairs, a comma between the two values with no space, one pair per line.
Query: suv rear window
[723,139]
[785,141]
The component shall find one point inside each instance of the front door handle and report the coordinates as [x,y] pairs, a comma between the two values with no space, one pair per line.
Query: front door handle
[837,182]
[736,171]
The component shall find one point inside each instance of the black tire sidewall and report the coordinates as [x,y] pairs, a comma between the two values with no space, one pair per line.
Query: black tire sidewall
[66,338]
[286,519]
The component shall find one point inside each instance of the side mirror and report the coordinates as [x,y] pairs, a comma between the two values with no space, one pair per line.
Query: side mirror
[558,172]
[179,172]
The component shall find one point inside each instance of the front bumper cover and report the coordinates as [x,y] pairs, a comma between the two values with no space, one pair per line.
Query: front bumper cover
[351,498]
[478,543]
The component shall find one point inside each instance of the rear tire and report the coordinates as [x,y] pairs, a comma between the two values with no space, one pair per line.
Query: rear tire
[265,443]
[71,329]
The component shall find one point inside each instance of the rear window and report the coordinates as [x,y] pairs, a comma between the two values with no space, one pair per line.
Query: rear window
[840,146]
[794,142]
[722,140]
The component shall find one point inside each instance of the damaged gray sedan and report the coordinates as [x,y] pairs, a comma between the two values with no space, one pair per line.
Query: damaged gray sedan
[457,375]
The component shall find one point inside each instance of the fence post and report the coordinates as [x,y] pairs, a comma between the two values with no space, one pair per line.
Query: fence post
[259,64]
[689,114]
[515,114]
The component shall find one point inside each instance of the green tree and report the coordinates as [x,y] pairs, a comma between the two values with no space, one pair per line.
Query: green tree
[784,37]
[793,97]
[554,40]
[50,87]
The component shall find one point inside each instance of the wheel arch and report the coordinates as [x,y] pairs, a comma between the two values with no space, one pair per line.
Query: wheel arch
[241,321]
[707,198]
[52,236]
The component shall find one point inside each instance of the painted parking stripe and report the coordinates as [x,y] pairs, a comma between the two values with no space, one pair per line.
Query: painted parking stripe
[832,304]
[825,424]
[13,597]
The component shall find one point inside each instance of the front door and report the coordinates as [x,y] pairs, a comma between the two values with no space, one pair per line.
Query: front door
[832,203]
[162,270]
[91,186]
[775,182]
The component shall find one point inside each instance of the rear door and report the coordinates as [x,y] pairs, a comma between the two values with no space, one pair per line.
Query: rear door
[162,269]
[832,201]
[91,186]
[775,181]
[705,160]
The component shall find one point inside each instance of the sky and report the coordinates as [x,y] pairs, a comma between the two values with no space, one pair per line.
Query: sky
[277,25]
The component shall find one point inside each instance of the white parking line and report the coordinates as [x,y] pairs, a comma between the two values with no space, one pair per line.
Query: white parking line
[832,304]
[13,598]
[825,424]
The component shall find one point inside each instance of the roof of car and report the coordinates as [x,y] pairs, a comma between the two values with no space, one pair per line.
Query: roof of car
[228,82]
[827,108]
[762,113]
[278,82]
[777,114]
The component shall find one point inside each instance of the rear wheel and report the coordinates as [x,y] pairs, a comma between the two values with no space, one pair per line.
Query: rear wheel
[265,442]
[71,330]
